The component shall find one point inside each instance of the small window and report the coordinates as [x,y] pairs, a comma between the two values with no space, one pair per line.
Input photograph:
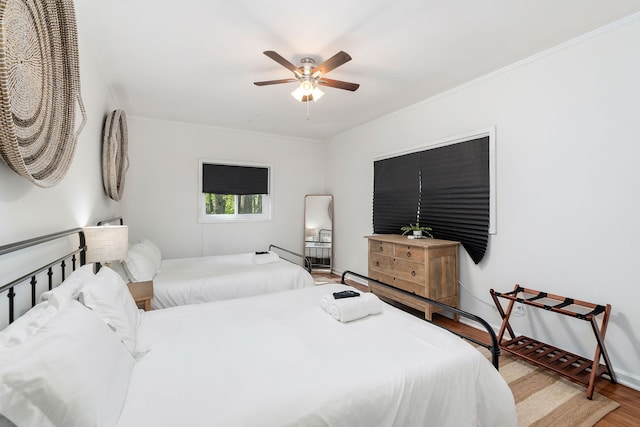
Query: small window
[231,192]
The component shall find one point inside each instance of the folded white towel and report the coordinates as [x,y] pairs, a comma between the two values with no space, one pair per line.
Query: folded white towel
[326,302]
[348,309]
[267,258]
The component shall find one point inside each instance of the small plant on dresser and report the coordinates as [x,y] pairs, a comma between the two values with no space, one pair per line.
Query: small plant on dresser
[416,230]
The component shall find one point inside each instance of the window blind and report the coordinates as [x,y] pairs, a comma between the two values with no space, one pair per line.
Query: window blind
[446,187]
[455,194]
[231,179]
[396,187]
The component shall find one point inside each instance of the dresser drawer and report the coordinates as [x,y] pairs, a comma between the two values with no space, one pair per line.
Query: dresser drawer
[414,288]
[382,277]
[410,271]
[381,248]
[408,253]
[397,296]
[380,262]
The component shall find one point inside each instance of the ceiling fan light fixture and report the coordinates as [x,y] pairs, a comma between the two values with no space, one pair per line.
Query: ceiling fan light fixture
[302,96]
[307,91]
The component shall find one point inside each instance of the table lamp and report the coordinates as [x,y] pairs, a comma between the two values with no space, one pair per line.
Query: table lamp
[106,243]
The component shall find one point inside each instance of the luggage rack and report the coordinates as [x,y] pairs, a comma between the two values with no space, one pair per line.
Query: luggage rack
[572,366]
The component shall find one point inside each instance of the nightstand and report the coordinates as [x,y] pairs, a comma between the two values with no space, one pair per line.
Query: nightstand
[142,293]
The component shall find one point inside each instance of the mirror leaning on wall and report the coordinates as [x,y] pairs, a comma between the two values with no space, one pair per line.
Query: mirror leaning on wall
[318,231]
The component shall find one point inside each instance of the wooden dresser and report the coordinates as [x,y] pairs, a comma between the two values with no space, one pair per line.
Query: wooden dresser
[426,267]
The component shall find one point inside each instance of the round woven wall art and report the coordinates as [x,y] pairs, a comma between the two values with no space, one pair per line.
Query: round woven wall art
[115,156]
[39,88]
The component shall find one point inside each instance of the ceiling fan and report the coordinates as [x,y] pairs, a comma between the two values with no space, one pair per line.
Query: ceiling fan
[310,76]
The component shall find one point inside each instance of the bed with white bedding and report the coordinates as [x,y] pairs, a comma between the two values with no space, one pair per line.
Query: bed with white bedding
[280,360]
[86,356]
[195,280]
[183,281]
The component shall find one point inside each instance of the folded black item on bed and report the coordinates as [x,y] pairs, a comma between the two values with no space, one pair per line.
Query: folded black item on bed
[345,294]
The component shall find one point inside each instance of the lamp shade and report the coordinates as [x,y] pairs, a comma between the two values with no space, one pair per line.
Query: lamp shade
[310,233]
[106,243]
[317,93]
[298,94]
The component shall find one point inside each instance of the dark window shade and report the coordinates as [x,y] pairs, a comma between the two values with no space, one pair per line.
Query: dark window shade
[450,189]
[396,193]
[455,194]
[240,180]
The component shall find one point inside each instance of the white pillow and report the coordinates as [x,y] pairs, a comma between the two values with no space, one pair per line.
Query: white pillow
[109,297]
[70,287]
[27,324]
[72,372]
[153,251]
[118,267]
[139,265]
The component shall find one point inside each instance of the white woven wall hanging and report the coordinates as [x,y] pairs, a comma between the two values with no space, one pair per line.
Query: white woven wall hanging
[115,156]
[39,88]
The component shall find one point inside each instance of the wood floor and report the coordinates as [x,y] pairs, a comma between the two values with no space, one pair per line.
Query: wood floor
[627,415]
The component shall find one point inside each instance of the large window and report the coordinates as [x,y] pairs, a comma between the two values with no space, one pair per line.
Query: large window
[447,186]
[233,192]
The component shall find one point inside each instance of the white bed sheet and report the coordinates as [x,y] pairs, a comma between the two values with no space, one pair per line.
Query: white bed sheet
[184,281]
[280,360]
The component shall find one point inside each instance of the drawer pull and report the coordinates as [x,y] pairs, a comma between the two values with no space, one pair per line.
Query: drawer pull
[413,273]
[380,248]
[377,263]
[408,254]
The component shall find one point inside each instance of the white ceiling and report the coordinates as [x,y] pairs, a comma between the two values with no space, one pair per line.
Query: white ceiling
[196,60]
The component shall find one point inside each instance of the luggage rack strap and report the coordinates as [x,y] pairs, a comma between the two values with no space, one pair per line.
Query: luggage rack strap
[514,292]
[566,302]
[599,309]
[540,295]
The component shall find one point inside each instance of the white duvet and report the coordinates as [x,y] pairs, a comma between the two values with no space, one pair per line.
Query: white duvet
[280,360]
[195,280]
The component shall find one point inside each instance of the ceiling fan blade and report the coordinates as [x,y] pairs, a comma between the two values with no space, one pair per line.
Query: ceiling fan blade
[280,60]
[334,62]
[338,84]
[274,82]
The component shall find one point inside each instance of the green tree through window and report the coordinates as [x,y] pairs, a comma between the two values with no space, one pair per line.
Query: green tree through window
[225,204]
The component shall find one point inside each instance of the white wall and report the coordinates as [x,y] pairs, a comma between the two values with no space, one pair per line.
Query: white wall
[161,195]
[568,145]
[28,211]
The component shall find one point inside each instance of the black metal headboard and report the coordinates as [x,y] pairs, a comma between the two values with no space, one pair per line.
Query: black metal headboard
[323,234]
[76,256]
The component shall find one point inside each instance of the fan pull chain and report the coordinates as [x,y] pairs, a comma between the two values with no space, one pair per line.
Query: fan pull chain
[308,102]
